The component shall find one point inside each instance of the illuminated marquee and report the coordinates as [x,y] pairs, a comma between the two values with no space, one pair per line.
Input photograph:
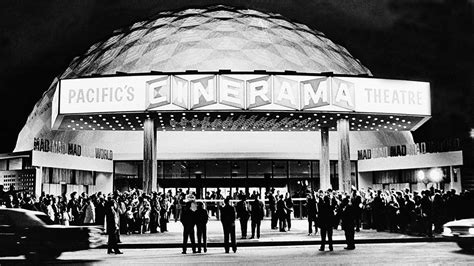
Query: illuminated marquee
[241,91]
[260,92]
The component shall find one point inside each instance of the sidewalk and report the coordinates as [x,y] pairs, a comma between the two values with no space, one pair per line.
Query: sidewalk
[298,235]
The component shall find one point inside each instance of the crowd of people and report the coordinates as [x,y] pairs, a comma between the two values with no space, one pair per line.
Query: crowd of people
[400,211]
[135,212]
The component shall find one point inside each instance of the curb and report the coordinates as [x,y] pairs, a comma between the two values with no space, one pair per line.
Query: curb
[285,243]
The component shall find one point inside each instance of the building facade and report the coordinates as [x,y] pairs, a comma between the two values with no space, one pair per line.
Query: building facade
[227,98]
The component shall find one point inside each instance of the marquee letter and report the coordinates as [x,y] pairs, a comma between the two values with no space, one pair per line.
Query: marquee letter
[231,92]
[314,93]
[203,92]
[259,92]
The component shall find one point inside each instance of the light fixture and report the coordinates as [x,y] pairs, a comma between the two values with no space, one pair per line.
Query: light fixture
[420,175]
[435,175]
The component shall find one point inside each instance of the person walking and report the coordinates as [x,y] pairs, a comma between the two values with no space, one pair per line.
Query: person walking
[113,226]
[348,222]
[326,221]
[243,215]
[188,221]
[256,213]
[202,217]
[228,225]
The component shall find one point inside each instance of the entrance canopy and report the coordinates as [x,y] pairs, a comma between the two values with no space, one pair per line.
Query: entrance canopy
[230,101]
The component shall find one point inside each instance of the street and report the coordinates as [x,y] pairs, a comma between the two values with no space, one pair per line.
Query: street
[409,253]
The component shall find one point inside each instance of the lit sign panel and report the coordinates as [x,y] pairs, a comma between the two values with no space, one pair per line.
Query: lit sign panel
[244,92]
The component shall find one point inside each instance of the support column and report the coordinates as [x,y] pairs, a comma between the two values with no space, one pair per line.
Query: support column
[324,170]
[344,163]
[38,187]
[150,171]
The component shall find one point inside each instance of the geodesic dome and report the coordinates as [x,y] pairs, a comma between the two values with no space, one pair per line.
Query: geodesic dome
[209,39]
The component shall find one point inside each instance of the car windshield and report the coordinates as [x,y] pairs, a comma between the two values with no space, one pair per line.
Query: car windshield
[44,218]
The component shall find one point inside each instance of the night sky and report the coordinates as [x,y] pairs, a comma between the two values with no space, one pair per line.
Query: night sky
[427,40]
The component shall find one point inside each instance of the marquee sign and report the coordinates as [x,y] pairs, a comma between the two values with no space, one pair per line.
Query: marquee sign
[241,92]
[59,147]
[409,149]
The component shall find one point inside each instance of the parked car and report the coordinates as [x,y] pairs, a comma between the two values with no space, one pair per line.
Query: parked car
[33,234]
[461,232]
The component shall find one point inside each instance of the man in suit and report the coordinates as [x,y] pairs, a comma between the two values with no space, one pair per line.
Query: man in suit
[228,225]
[348,222]
[426,213]
[281,213]
[113,225]
[243,214]
[326,220]
[272,207]
[311,211]
[256,212]
[188,221]
[201,221]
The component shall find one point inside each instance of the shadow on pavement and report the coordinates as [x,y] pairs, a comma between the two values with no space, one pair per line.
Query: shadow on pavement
[464,251]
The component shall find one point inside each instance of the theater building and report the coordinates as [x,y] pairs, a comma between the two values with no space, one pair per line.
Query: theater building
[227,98]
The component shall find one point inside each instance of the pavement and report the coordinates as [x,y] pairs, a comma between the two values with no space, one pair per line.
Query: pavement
[298,235]
[365,254]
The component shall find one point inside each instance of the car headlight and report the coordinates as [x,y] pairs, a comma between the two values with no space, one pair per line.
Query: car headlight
[471,231]
[447,230]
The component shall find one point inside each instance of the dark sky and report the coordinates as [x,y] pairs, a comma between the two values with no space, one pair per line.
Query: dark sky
[427,40]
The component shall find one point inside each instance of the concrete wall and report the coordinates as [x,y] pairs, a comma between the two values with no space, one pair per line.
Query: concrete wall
[103,182]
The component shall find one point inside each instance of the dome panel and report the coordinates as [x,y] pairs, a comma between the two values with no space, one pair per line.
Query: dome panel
[207,35]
